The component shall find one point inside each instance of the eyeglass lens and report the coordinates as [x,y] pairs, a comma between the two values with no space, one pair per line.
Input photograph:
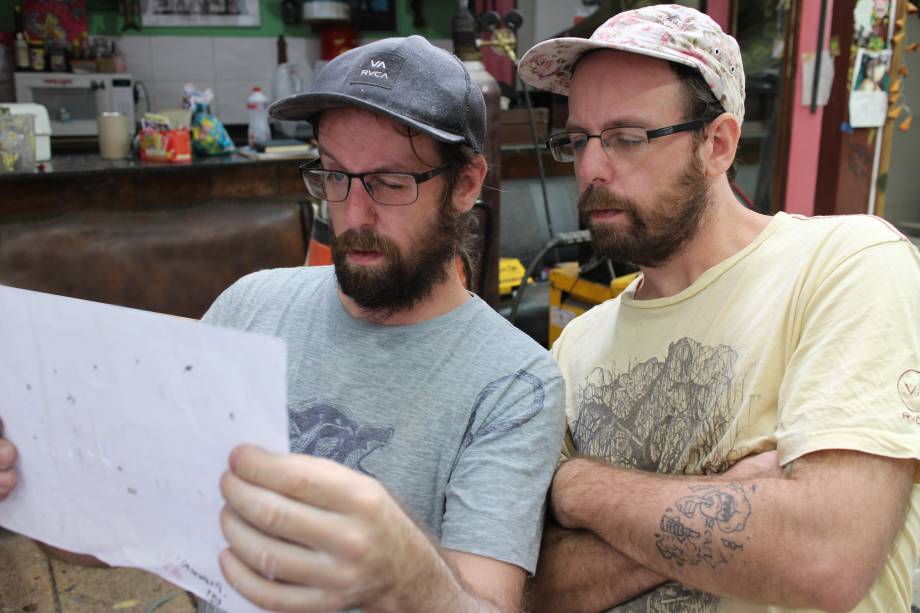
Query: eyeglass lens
[620,142]
[384,187]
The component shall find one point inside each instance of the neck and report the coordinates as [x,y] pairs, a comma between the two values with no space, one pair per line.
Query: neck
[727,228]
[443,298]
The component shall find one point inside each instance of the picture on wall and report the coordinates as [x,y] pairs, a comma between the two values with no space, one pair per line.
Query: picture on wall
[200,12]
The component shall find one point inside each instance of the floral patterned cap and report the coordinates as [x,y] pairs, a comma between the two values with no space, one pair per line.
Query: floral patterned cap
[664,31]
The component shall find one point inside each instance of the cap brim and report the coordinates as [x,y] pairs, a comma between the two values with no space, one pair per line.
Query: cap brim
[559,79]
[304,107]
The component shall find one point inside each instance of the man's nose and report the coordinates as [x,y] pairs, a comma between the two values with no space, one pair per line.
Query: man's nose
[360,208]
[593,165]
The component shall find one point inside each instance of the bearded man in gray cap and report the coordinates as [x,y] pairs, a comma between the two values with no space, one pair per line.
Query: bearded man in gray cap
[425,427]
[748,343]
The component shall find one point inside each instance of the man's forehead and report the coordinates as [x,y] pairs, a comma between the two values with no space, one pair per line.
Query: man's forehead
[350,131]
[613,87]
[624,67]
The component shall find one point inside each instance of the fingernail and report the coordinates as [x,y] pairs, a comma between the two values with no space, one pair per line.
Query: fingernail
[235,457]
[6,454]
[7,481]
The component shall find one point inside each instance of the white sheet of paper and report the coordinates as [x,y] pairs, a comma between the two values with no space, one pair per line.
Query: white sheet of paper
[124,421]
[825,79]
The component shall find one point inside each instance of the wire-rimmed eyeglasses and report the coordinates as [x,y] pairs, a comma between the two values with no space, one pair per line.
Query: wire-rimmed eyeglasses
[387,188]
[617,142]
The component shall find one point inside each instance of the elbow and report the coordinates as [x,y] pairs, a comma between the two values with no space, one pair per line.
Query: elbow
[837,583]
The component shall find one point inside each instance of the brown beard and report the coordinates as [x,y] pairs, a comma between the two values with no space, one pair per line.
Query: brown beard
[402,281]
[657,235]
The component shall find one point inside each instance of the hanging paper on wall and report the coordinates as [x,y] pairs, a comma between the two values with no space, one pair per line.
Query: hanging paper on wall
[871,82]
[825,80]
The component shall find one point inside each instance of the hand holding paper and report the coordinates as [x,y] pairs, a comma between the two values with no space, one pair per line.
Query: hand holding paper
[7,460]
[308,534]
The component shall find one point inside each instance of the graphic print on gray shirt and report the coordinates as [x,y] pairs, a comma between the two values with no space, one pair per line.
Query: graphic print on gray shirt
[460,417]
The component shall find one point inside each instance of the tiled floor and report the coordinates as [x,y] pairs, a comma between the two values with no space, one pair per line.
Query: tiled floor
[30,582]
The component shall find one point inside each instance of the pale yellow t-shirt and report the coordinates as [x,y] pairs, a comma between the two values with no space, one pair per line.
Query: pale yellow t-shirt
[807,339]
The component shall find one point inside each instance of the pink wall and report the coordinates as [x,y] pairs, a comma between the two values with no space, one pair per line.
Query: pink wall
[805,140]
[719,10]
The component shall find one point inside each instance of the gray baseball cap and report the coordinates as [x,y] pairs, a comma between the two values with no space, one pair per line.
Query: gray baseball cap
[408,79]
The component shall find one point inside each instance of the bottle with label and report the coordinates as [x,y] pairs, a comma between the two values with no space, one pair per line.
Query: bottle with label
[20,40]
[57,57]
[22,52]
[37,56]
[257,103]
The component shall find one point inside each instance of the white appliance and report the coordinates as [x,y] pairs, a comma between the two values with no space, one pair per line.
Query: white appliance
[42,127]
[74,100]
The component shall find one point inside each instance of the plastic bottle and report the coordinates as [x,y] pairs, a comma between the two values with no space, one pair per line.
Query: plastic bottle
[257,104]
[22,52]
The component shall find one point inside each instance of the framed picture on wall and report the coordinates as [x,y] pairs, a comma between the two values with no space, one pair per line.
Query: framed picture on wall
[200,12]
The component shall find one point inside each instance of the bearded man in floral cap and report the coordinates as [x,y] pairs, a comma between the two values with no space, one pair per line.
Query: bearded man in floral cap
[746,415]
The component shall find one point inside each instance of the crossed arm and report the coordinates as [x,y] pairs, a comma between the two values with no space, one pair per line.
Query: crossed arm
[836,516]
[307,534]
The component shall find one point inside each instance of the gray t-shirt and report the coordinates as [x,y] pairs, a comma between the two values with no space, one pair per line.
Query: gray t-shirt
[460,417]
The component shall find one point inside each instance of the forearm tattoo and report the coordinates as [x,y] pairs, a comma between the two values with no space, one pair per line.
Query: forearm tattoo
[705,527]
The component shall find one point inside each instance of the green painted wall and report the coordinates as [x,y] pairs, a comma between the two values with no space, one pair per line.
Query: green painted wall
[104,20]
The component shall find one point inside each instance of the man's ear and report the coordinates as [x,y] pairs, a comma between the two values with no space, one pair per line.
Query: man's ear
[469,183]
[721,145]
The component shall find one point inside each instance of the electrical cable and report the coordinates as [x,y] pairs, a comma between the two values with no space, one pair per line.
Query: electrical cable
[536,148]
[563,238]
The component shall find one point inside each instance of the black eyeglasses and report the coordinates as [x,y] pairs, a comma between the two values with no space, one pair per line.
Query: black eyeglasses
[618,142]
[387,188]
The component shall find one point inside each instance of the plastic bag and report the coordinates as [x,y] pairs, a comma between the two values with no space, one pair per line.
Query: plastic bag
[209,136]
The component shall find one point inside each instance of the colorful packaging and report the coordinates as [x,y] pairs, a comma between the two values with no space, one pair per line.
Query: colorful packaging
[209,136]
[160,142]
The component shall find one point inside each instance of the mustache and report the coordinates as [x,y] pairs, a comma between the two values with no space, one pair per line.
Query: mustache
[600,199]
[363,240]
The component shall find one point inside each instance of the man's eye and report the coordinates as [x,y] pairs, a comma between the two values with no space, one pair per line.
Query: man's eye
[394,186]
[336,177]
[388,183]
[578,143]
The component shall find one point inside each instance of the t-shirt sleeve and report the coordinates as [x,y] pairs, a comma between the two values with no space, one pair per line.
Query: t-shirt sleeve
[496,494]
[853,379]
[226,309]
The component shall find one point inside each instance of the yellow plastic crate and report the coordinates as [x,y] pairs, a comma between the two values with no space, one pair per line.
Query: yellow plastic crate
[570,295]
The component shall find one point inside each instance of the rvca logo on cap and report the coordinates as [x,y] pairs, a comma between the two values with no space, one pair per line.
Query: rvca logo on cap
[380,69]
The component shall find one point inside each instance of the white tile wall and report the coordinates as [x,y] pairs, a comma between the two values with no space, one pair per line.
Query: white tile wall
[168,94]
[183,58]
[230,66]
[138,57]
[230,98]
[239,59]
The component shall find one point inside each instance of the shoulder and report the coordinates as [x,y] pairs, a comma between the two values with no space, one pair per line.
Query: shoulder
[845,246]
[266,287]
[843,235]
[283,278]
[502,339]
[588,324]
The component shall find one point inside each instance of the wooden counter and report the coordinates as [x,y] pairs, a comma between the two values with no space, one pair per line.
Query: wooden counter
[159,237]
[80,181]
